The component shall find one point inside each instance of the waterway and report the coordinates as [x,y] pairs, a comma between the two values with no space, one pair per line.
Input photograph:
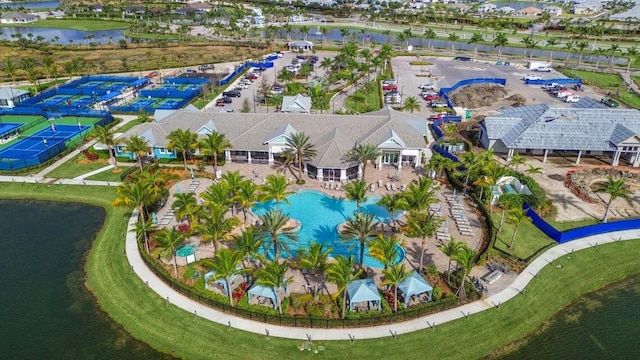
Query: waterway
[600,325]
[46,311]
[31,5]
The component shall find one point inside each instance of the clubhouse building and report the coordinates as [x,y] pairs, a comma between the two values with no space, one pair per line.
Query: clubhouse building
[261,138]
[543,130]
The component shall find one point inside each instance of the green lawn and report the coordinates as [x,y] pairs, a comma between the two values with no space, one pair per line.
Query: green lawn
[77,24]
[108,175]
[608,82]
[529,239]
[128,126]
[151,319]
[364,100]
[72,168]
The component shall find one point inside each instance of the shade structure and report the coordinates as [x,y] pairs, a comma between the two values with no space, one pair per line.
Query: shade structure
[265,292]
[364,290]
[415,284]
[221,281]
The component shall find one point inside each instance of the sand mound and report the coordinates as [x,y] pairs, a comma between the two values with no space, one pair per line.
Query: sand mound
[478,95]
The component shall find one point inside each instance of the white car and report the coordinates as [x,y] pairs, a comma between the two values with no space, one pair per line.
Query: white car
[543,69]
[532,77]
[426,86]
[572,98]
[241,86]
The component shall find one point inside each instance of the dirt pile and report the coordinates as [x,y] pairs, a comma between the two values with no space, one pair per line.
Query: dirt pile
[479,95]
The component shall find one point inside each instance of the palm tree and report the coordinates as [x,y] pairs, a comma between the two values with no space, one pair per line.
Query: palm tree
[613,49]
[384,249]
[394,276]
[324,30]
[182,141]
[300,148]
[533,170]
[275,188]
[616,188]
[274,275]
[421,225]
[439,164]
[430,34]
[393,203]
[411,104]
[420,194]
[516,160]
[516,216]
[599,53]
[215,227]
[344,32]
[340,272]
[186,205]
[248,242]
[361,227]
[105,135]
[234,180]
[225,265]
[275,223]
[581,46]
[356,191]
[464,258]
[247,196]
[362,154]
[450,248]
[476,38]
[169,240]
[138,146]
[453,37]
[214,144]
[632,52]
[217,195]
[552,42]
[10,68]
[135,195]
[500,41]
[314,259]
[143,230]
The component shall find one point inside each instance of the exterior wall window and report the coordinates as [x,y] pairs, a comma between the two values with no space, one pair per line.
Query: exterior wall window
[352,173]
[389,158]
[312,171]
[331,174]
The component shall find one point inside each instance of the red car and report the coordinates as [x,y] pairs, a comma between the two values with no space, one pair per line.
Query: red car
[432,97]
[390,87]
[437,116]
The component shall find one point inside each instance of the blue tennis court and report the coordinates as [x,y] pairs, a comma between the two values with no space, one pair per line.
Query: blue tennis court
[61,131]
[6,128]
[42,141]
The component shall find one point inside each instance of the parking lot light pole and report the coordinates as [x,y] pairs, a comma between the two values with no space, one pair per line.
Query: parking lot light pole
[402,91]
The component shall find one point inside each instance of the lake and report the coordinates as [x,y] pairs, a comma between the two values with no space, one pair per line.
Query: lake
[46,311]
[63,36]
[601,325]
[32,5]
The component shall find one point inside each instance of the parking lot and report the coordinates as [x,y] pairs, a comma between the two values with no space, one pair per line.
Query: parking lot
[252,90]
[446,73]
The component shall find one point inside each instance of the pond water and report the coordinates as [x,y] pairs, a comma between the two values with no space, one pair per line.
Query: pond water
[63,36]
[46,311]
[601,325]
[32,5]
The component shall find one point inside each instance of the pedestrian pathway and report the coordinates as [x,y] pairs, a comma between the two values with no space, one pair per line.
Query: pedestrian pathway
[97,171]
[516,288]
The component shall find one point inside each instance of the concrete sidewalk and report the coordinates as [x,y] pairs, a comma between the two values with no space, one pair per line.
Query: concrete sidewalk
[517,287]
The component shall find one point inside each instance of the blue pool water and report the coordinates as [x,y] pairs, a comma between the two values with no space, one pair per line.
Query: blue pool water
[186,250]
[320,216]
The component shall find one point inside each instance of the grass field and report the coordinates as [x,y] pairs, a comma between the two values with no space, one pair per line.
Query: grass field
[366,99]
[108,175]
[167,328]
[608,82]
[74,167]
[76,24]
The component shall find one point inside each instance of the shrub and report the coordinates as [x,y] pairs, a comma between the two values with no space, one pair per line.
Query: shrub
[184,227]
[436,294]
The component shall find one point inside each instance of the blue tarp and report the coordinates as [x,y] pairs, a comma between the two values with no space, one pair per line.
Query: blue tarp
[364,290]
[415,284]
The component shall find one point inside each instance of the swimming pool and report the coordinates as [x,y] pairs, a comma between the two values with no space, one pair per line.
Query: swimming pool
[320,216]
[186,250]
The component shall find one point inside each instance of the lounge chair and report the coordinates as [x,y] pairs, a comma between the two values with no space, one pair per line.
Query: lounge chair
[380,184]
[326,185]
[372,188]
[388,186]
[393,187]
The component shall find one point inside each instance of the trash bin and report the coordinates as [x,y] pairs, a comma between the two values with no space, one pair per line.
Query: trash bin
[467,114]
[499,63]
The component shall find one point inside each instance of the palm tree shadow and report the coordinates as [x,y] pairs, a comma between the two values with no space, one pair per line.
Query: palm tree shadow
[334,205]
[412,255]
[324,234]
[567,202]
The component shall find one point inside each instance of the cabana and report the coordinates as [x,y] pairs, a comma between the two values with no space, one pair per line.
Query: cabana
[415,285]
[263,293]
[363,291]
[222,281]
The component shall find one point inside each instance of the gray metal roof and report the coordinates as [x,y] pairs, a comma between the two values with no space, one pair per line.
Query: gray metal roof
[332,135]
[564,128]
[8,93]
[589,103]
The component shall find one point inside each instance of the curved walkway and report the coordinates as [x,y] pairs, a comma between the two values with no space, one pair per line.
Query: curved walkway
[387,330]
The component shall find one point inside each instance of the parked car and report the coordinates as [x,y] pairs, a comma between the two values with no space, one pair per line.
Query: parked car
[438,105]
[190,71]
[572,98]
[437,116]
[431,97]
[543,69]
[280,54]
[563,94]
[426,86]
[462,58]
[610,103]
[232,93]
[242,86]
[223,100]
[532,77]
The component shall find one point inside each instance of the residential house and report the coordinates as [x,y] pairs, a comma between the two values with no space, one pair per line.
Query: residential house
[507,10]
[487,8]
[97,8]
[260,138]
[529,12]
[577,131]
[300,45]
[552,10]
[582,7]
[18,18]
